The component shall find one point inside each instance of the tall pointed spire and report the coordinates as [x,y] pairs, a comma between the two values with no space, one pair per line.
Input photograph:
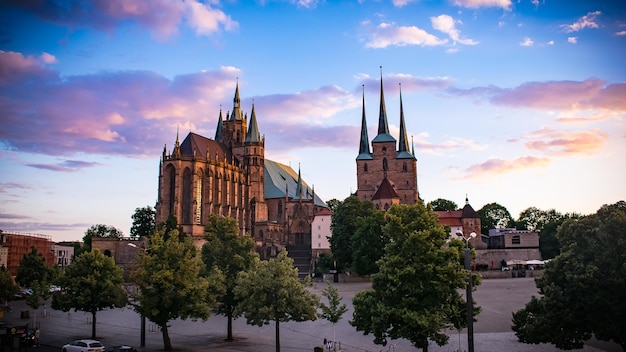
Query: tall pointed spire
[236,114]
[383,126]
[364,145]
[299,185]
[218,129]
[412,146]
[253,130]
[176,151]
[403,144]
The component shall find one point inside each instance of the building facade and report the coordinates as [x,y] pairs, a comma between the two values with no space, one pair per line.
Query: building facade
[466,221]
[230,176]
[386,175]
[16,245]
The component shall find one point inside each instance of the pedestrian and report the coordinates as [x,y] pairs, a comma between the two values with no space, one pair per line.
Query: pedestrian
[36,338]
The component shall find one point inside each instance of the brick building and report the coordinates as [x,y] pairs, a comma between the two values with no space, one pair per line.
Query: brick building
[16,245]
[386,175]
[465,220]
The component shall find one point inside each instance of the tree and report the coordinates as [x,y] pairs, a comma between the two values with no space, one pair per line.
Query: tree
[36,275]
[231,253]
[8,288]
[334,310]
[441,204]
[344,223]
[415,295]
[170,284]
[546,223]
[494,216]
[583,289]
[272,291]
[92,282]
[144,222]
[368,243]
[100,230]
[333,204]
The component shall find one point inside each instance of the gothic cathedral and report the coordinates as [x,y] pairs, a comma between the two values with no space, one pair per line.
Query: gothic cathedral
[229,176]
[386,175]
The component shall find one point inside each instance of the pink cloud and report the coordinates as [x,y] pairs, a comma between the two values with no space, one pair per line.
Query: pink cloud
[566,95]
[495,166]
[16,67]
[587,21]
[564,143]
[389,34]
[474,4]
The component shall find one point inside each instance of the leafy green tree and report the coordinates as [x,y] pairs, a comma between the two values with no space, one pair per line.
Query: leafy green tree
[92,282]
[231,253]
[36,275]
[144,222]
[170,283]
[368,243]
[333,312]
[583,289]
[546,223]
[494,216]
[441,204]
[8,288]
[333,204]
[100,230]
[344,223]
[415,295]
[272,291]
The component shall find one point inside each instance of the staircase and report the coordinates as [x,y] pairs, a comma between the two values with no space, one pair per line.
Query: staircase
[301,255]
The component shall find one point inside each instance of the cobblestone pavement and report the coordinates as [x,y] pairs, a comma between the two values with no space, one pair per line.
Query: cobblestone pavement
[498,298]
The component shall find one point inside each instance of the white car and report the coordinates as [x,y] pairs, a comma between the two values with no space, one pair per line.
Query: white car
[84,346]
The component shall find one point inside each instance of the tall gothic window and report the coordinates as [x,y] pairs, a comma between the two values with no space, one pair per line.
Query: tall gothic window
[280,209]
[198,210]
[187,202]
[385,166]
[404,167]
[365,167]
[171,173]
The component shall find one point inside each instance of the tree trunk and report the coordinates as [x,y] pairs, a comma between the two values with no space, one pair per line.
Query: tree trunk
[93,324]
[277,336]
[167,344]
[229,333]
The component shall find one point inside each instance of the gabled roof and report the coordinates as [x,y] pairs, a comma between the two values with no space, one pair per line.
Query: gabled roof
[469,213]
[204,146]
[385,191]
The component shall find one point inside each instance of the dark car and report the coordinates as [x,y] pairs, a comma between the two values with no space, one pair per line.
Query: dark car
[122,348]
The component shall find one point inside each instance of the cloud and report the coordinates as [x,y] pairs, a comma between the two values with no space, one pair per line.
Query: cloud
[620,33]
[15,67]
[40,227]
[425,146]
[13,216]
[565,95]
[12,185]
[565,143]
[527,42]
[409,83]
[401,3]
[572,40]
[66,166]
[587,21]
[48,58]
[474,4]
[389,34]
[495,166]
[447,24]
[160,17]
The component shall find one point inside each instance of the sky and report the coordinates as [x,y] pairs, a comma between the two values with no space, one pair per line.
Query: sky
[518,102]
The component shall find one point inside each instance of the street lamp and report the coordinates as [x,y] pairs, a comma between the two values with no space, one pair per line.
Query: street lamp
[142,331]
[468,292]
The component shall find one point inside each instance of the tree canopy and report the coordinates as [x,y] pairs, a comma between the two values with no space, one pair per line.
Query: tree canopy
[170,283]
[441,204]
[100,230]
[231,253]
[344,223]
[7,286]
[546,223]
[334,311]
[368,243]
[583,289]
[35,274]
[144,222]
[92,282]
[272,292]
[494,216]
[415,295]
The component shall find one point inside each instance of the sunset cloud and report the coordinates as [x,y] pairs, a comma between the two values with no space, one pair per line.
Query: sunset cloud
[389,34]
[495,166]
[161,17]
[587,21]
[65,166]
[474,4]
[565,143]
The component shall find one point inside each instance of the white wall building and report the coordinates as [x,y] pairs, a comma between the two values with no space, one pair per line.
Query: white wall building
[320,232]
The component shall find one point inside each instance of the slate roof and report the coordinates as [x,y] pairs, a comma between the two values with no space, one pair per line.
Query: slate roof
[385,191]
[279,178]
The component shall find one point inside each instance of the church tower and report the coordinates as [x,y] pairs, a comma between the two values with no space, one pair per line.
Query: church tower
[386,175]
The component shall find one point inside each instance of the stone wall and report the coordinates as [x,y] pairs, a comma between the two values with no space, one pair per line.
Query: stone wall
[485,256]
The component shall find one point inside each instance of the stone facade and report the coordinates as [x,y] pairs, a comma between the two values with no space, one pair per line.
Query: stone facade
[230,176]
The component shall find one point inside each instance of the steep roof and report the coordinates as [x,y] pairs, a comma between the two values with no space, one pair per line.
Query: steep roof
[280,178]
[383,126]
[195,144]
[253,131]
[385,191]
[364,145]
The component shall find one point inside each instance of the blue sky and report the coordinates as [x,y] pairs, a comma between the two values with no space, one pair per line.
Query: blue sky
[517,102]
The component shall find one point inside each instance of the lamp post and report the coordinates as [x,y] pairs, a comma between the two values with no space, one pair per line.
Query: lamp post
[468,292]
[142,330]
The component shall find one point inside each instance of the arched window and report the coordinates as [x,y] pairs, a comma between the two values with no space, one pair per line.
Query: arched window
[280,209]
[188,200]
[404,167]
[385,166]
[365,167]
[384,150]
[171,173]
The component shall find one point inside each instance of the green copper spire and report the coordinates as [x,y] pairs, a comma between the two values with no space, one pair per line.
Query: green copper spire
[403,143]
[253,135]
[218,129]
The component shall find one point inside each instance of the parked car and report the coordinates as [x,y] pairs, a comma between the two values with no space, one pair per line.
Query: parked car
[123,348]
[84,346]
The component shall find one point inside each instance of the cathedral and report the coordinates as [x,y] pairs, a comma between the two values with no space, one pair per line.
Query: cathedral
[230,176]
[386,175]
